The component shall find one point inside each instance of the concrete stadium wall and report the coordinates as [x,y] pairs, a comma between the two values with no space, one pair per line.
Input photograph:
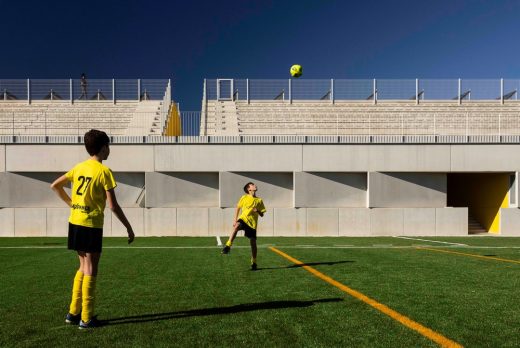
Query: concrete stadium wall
[309,189]
[376,158]
[28,189]
[186,189]
[417,190]
[328,190]
[275,188]
[2,158]
[509,222]
[31,189]
[270,158]
[333,222]
[230,158]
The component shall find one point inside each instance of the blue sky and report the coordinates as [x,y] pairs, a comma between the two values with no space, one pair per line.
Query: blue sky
[188,41]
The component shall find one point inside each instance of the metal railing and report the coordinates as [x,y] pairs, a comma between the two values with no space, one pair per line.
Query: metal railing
[377,124]
[68,107]
[166,104]
[73,90]
[362,89]
[190,123]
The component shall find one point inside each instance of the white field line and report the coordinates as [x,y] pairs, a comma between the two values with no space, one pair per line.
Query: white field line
[456,246]
[219,242]
[431,241]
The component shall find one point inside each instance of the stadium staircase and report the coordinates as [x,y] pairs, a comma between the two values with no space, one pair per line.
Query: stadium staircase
[360,118]
[221,118]
[146,119]
[474,227]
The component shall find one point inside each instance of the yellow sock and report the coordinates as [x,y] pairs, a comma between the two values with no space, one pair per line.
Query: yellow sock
[253,260]
[229,243]
[75,303]
[89,287]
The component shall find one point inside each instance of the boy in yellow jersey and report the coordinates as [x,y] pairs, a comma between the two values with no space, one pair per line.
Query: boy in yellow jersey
[92,185]
[251,206]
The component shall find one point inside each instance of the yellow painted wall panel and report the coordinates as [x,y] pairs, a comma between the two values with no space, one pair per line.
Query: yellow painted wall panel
[484,194]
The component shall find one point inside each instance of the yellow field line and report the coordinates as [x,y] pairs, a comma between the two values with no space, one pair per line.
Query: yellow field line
[471,255]
[429,333]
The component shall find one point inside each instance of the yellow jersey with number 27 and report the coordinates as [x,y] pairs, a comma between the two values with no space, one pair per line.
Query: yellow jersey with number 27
[90,181]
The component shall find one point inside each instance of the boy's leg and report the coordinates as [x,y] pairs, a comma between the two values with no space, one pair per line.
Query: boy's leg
[90,269]
[75,303]
[254,250]
[232,237]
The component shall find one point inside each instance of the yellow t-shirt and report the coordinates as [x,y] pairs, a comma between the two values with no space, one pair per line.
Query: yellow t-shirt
[247,203]
[90,181]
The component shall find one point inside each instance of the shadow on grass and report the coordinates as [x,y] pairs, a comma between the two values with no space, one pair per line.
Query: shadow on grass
[247,307]
[330,263]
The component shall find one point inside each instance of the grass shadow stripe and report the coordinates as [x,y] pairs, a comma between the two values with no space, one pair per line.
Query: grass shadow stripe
[404,320]
[240,308]
[469,255]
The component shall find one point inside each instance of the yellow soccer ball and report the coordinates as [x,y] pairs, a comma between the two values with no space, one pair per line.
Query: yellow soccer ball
[296,70]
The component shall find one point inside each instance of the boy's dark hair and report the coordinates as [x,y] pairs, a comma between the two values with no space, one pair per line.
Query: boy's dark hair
[247,186]
[95,140]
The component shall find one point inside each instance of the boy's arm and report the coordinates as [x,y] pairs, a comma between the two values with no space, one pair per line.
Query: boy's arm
[57,187]
[118,212]
[260,210]
[237,212]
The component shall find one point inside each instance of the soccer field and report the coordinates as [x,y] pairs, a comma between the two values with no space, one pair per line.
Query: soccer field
[360,292]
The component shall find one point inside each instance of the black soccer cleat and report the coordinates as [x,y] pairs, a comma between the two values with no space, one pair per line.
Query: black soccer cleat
[91,324]
[226,250]
[73,319]
[254,266]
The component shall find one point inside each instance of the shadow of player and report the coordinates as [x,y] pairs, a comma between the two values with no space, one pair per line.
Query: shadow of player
[247,307]
[329,263]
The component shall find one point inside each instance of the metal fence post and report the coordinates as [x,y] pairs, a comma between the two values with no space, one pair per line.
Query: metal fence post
[247,90]
[374,91]
[28,91]
[114,91]
[290,91]
[460,86]
[502,91]
[417,91]
[204,91]
[332,91]
[70,92]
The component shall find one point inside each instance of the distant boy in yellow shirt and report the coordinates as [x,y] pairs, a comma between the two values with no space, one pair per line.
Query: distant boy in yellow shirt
[251,206]
[92,185]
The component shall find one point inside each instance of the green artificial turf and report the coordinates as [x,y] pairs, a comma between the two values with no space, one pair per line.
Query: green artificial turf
[166,292]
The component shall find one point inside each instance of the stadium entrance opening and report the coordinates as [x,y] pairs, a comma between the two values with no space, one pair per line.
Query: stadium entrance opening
[224,89]
[483,194]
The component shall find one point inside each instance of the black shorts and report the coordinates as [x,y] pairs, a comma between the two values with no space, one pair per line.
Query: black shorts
[248,231]
[86,239]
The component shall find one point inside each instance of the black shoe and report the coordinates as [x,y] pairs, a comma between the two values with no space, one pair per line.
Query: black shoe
[73,319]
[91,324]
[254,266]
[226,250]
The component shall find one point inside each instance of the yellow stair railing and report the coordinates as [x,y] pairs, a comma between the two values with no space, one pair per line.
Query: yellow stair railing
[173,124]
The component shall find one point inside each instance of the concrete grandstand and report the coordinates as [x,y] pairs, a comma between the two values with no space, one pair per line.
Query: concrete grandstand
[334,164]
[121,108]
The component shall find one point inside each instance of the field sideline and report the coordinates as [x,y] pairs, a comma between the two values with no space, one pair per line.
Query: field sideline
[179,291]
